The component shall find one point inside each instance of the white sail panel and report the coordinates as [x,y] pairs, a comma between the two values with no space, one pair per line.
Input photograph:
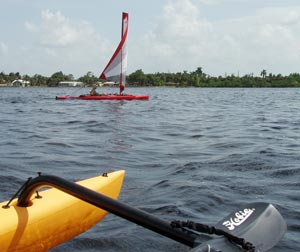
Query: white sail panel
[116,68]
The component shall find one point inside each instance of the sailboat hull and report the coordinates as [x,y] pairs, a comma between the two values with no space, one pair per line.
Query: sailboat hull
[105,97]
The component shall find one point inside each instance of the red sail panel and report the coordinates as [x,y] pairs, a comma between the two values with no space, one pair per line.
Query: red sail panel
[116,68]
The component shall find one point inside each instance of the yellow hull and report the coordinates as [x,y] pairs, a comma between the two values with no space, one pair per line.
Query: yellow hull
[55,218]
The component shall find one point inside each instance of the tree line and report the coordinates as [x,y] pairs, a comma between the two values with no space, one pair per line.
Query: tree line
[138,78]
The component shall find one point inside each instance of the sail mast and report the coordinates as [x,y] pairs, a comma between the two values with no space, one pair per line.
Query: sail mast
[124,29]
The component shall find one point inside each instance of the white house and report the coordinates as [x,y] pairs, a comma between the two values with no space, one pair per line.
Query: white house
[70,84]
[20,83]
[107,84]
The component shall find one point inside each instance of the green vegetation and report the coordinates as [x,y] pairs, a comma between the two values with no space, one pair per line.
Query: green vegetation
[181,79]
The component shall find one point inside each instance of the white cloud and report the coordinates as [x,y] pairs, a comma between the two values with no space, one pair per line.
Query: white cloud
[62,44]
[215,2]
[57,30]
[179,37]
[31,27]
[266,41]
[184,40]
[292,17]
[185,36]
[3,48]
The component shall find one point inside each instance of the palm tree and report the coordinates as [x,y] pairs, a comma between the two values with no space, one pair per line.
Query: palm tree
[263,73]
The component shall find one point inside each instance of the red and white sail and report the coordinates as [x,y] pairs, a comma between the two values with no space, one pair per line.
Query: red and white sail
[116,68]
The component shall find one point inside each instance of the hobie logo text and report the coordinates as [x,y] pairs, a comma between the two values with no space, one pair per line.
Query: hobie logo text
[238,219]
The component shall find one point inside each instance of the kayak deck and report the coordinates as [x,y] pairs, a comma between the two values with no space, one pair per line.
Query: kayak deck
[105,97]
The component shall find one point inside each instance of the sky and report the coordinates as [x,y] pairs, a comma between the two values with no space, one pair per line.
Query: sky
[223,37]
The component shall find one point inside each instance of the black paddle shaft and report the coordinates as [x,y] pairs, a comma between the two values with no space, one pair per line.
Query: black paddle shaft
[127,212]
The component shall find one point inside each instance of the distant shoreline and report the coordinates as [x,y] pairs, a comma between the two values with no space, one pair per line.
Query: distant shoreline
[180,79]
[128,86]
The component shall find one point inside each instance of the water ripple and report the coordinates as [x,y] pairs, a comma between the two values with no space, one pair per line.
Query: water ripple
[188,154]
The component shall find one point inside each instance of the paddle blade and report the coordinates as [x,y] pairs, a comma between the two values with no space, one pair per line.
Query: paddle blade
[258,223]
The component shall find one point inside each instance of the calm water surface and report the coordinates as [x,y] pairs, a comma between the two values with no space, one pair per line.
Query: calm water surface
[188,153]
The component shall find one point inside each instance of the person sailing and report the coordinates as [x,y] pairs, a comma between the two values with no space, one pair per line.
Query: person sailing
[93,92]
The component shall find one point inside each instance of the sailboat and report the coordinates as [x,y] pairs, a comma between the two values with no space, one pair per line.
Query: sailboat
[114,71]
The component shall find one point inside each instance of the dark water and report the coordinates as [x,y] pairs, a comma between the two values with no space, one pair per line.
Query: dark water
[188,153]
